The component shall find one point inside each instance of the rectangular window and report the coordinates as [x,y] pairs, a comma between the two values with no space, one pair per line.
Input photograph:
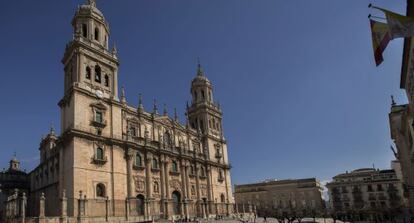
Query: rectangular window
[99,117]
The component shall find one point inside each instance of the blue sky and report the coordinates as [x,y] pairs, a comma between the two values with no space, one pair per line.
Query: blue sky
[296,79]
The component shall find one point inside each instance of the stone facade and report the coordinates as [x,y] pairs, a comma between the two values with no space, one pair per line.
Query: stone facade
[367,194]
[116,161]
[281,197]
[401,117]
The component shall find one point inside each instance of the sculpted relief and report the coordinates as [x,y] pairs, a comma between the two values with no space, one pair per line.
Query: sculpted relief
[139,184]
[175,185]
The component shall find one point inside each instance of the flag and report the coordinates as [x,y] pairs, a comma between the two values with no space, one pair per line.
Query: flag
[400,26]
[380,39]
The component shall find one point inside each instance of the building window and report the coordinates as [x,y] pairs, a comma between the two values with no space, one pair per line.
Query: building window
[222,198]
[99,153]
[193,190]
[96,34]
[98,74]
[155,163]
[98,116]
[100,191]
[369,188]
[88,73]
[379,187]
[138,160]
[174,167]
[192,170]
[106,80]
[202,94]
[84,30]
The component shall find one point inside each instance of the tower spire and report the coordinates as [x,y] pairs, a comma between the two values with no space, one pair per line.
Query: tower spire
[123,98]
[165,112]
[175,115]
[140,106]
[155,108]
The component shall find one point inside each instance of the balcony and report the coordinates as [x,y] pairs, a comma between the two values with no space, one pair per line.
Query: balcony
[99,124]
[97,161]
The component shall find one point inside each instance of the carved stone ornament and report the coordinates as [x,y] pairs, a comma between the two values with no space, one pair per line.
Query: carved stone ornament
[139,184]
[175,185]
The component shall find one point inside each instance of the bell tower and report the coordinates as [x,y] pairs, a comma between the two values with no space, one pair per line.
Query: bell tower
[88,63]
[204,114]
[90,68]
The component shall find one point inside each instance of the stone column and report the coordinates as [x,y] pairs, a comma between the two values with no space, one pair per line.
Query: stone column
[199,202]
[63,207]
[209,190]
[167,188]
[162,185]
[23,207]
[184,188]
[107,208]
[148,185]
[129,156]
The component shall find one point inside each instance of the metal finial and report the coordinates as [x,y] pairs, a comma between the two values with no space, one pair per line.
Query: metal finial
[393,101]
[199,68]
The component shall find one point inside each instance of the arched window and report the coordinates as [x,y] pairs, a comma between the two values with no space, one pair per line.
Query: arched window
[156,187]
[84,30]
[176,202]
[98,74]
[195,96]
[202,94]
[221,177]
[88,73]
[106,80]
[222,198]
[202,172]
[100,190]
[154,163]
[99,153]
[174,167]
[140,204]
[96,34]
[193,190]
[138,160]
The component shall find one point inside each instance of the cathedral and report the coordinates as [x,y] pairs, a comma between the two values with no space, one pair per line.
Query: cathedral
[114,162]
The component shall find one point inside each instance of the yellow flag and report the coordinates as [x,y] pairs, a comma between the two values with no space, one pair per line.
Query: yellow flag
[380,39]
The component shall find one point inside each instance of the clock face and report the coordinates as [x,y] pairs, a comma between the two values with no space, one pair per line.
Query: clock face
[99,93]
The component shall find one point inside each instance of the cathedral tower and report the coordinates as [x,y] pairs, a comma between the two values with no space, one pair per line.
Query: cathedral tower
[88,64]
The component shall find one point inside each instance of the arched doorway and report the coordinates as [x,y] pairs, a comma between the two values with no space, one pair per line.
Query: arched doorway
[140,204]
[176,196]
